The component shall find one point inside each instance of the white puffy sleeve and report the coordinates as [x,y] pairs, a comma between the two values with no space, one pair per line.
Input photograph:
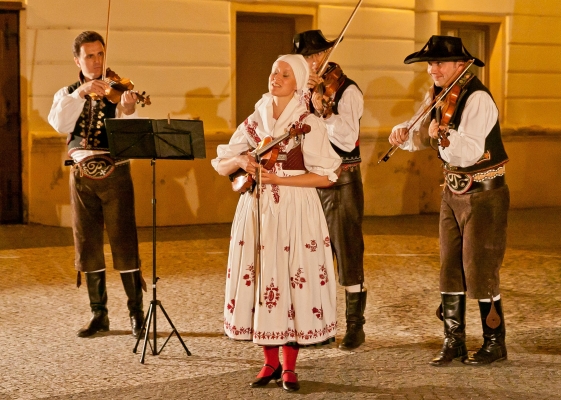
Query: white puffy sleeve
[237,145]
[418,133]
[344,128]
[319,156]
[66,110]
[467,143]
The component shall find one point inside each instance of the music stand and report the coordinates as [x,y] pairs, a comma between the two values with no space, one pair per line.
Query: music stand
[153,139]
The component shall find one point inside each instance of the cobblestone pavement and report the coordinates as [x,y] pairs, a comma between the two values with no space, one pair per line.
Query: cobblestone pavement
[41,309]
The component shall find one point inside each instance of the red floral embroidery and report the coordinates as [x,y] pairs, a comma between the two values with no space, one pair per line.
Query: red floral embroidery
[318,312]
[250,277]
[306,98]
[298,279]
[312,245]
[318,335]
[276,193]
[250,128]
[327,242]
[291,312]
[272,295]
[229,270]
[241,242]
[231,306]
[235,331]
[324,278]
[287,248]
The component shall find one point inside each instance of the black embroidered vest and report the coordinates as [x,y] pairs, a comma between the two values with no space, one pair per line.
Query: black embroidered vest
[347,157]
[89,132]
[494,153]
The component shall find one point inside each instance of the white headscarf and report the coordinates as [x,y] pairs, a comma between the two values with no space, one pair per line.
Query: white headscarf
[299,67]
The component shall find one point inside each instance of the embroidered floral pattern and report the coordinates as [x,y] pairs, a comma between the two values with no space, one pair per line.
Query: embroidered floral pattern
[297,279]
[249,277]
[287,248]
[318,312]
[231,305]
[306,98]
[272,295]
[235,331]
[317,335]
[229,270]
[323,276]
[291,312]
[251,130]
[312,246]
[276,193]
[241,242]
[327,241]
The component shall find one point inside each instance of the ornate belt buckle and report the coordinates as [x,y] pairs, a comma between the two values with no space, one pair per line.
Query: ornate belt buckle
[458,183]
[96,167]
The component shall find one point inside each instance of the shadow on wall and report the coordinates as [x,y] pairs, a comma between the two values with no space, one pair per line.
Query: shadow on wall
[201,104]
[408,183]
[187,191]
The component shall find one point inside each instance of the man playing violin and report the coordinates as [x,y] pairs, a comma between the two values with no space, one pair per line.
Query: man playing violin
[475,198]
[343,203]
[101,189]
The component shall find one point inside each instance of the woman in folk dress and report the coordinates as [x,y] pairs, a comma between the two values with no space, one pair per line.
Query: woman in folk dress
[298,281]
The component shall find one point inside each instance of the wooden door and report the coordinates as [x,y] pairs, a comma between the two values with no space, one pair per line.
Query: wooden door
[260,40]
[11,210]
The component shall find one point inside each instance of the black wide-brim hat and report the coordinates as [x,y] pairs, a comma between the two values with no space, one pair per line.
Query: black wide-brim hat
[310,42]
[443,48]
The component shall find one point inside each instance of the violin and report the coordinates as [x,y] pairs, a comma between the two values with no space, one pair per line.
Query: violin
[331,74]
[332,80]
[444,113]
[266,154]
[438,101]
[117,86]
[447,107]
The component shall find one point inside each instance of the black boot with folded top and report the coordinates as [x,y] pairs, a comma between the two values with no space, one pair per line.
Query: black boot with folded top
[354,336]
[494,332]
[453,313]
[98,304]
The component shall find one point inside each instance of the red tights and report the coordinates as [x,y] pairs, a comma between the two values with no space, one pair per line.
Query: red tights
[289,355]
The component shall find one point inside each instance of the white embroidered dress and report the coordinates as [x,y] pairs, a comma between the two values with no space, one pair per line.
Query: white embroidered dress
[298,279]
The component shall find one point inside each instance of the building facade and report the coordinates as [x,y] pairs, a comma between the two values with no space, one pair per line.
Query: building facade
[205,59]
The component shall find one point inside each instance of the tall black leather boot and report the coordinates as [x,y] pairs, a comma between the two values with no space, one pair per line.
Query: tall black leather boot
[494,347]
[98,303]
[454,317]
[354,337]
[133,289]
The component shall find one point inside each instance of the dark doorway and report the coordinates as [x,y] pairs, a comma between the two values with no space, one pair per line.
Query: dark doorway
[11,210]
[259,41]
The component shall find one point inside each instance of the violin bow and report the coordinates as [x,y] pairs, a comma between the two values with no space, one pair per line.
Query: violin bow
[257,242]
[323,64]
[427,110]
[103,73]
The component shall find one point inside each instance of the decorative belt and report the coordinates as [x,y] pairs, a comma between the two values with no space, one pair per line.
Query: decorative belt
[349,166]
[98,166]
[459,183]
[487,184]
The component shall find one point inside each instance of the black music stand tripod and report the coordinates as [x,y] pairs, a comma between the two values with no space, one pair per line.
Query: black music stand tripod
[167,139]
